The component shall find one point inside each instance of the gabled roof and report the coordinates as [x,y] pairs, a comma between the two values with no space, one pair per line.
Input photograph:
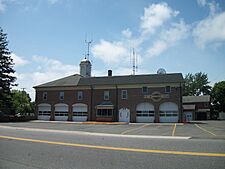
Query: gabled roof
[133,79]
[66,81]
[77,80]
[196,99]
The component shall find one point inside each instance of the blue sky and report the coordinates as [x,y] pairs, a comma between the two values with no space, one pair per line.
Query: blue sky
[47,37]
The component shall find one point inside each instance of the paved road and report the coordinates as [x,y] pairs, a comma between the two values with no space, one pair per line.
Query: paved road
[46,150]
[202,130]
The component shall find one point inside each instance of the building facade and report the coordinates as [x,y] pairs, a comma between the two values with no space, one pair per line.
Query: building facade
[133,98]
[196,107]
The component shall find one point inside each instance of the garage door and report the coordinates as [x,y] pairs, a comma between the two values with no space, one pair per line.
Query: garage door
[80,112]
[168,112]
[145,113]
[61,112]
[44,111]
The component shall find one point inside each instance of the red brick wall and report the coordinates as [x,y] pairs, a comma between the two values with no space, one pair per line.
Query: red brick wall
[96,96]
[135,96]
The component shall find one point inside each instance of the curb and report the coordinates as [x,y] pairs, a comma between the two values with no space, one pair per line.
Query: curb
[105,123]
[95,134]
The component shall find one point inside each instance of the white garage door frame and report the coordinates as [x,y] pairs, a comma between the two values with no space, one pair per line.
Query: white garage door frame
[147,113]
[44,111]
[168,112]
[124,115]
[63,109]
[80,112]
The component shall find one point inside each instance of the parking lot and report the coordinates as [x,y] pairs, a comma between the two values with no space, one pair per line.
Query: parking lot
[195,130]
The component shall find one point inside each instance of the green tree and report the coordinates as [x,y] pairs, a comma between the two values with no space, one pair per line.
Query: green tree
[21,103]
[197,84]
[6,70]
[218,96]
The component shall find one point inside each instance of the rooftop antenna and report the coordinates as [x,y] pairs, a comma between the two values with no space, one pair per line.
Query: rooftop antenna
[134,62]
[88,48]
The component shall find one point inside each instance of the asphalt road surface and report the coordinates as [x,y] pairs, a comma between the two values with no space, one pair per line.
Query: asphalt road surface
[22,149]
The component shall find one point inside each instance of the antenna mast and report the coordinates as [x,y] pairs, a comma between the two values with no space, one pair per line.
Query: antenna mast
[134,62]
[88,48]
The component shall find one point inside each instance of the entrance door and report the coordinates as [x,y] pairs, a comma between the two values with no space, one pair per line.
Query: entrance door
[124,115]
[188,116]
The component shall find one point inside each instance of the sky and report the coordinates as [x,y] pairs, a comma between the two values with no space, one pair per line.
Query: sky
[47,37]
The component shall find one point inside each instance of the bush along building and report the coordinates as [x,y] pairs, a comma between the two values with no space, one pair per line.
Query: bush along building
[133,98]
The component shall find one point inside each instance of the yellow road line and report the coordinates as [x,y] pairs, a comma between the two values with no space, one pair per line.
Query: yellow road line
[127,131]
[174,129]
[116,148]
[205,130]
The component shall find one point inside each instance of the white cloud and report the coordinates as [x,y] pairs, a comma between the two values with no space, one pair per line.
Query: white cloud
[213,6]
[177,32]
[19,61]
[46,70]
[169,38]
[51,69]
[210,30]
[201,2]
[127,33]
[110,52]
[155,16]
[157,48]
[2,6]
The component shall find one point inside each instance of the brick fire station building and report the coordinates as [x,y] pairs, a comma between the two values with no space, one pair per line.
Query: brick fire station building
[132,98]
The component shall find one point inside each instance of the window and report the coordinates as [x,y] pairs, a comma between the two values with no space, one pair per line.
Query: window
[79,95]
[106,95]
[44,96]
[168,113]
[104,112]
[124,94]
[145,113]
[145,90]
[61,113]
[80,113]
[61,95]
[44,113]
[167,89]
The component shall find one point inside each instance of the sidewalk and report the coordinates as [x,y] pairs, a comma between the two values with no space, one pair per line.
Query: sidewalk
[86,122]
[105,123]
